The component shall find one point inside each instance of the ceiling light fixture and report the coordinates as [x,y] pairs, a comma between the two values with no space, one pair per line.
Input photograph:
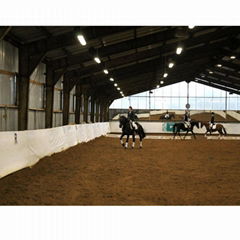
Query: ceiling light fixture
[162,82]
[219,65]
[191,26]
[97,60]
[233,57]
[115,84]
[111,79]
[81,39]
[105,71]
[165,75]
[179,50]
[158,86]
[118,89]
[170,65]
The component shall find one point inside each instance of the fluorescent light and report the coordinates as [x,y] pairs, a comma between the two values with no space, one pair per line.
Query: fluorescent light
[165,75]
[158,86]
[97,60]
[171,64]
[118,89]
[81,39]
[111,79]
[179,50]
[105,71]
[233,57]
[115,84]
[162,82]
[191,26]
[219,65]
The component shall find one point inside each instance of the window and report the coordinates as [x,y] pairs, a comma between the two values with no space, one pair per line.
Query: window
[201,97]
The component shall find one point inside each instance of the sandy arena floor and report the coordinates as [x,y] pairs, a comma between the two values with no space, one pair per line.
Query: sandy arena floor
[101,172]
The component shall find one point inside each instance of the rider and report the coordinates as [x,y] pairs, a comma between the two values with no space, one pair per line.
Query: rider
[167,115]
[212,122]
[132,117]
[187,119]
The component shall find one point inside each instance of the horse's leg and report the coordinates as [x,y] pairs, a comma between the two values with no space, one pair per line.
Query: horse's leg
[140,141]
[174,134]
[186,134]
[126,144]
[220,133]
[133,140]
[179,133]
[193,134]
[121,141]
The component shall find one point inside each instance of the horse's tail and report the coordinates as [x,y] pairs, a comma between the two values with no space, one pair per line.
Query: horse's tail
[224,130]
[143,135]
[141,131]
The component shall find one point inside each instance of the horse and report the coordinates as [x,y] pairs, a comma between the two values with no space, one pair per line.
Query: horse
[181,126]
[171,116]
[124,123]
[219,127]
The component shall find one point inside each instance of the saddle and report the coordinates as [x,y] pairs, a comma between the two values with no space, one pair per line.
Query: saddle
[214,126]
[133,125]
[187,124]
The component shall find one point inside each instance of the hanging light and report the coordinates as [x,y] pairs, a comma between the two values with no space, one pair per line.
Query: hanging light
[105,71]
[81,39]
[97,60]
[165,75]
[232,57]
[111,79]
[162,82]
[115,84]
[191,26]
[179,50]
[170,65]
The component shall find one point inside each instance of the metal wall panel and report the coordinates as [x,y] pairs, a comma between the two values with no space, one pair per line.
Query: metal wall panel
[72,100]
[36,119]
[36,92]
[71,118]
[9,63]
[39,74]
[36,96]
[7,89]
[8,119]
[57,119]
[57,99]
[8,57]
[57,95]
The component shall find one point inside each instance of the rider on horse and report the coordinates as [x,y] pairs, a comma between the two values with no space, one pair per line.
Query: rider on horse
[167,116]
[187,119]
[132,117]
[212,122]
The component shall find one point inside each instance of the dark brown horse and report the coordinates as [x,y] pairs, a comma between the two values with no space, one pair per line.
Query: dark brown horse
[218,128]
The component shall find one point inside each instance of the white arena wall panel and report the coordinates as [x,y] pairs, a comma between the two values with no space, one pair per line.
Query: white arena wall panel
[166,127]
[25,148]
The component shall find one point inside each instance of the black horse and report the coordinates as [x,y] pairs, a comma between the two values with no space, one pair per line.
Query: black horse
[124,123]
[177,127]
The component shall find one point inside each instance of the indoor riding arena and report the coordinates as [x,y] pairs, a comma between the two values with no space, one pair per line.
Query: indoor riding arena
[124,115]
